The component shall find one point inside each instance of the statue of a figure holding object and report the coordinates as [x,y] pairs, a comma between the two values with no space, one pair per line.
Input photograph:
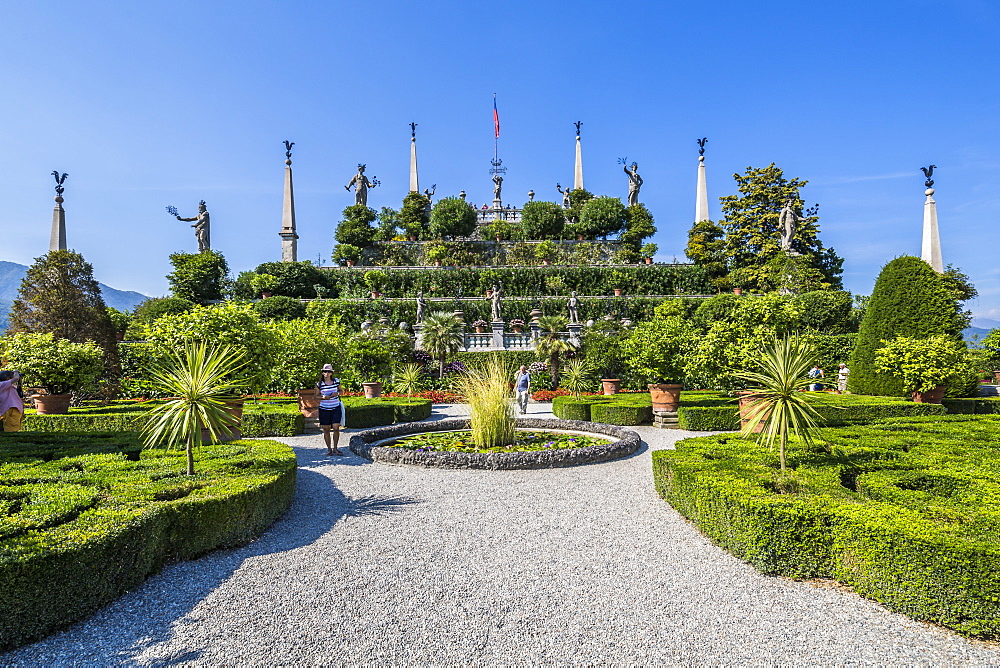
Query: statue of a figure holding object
[361,185]
[788,221]
[573,305]
[634,183]
[495,304]
[202,227]
[497,187]
[565,195]
[421,307]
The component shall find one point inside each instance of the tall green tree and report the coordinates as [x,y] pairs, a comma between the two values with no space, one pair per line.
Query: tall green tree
[542,220]
[388,224]
[706,247]
[577,198]
[452,217]
[551,345]
[750,227]
[199,277]
[909,299]
[441,336]
[59,295]
[414,216]
[600,217]
[638,226]
[356,227]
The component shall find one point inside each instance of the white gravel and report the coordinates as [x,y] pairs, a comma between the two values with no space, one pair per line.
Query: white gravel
[379,564]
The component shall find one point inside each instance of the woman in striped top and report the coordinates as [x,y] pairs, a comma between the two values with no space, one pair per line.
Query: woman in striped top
[331,410]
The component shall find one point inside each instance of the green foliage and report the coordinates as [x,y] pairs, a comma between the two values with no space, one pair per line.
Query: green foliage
[909,299]
[294,279]
[542,220]
[414,216]
[903,512]
[991,344]
[369,356]
[280,308]
[577,199]
[922,364]
[825,311]
[441,336]
[119,320]
[388,224]
[57,365]
[706,247]
[157,307]
[551,345]
[574,408]
[708,418]
[452,217]
[491,407]
[621,413]
[199,277]
[600,217]
[356,228]
[602,347]
[376,279]
[343,253]
[59,295]
[199,379]
[656,348]
[107,522]
[408,378]
[577,376]
[638,226]
[779,406]
[261,283]
[546,251]
[648,250]
[300,349]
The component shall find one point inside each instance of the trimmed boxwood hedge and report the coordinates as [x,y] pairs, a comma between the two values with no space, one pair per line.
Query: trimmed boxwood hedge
[571,408]
[708,418]
[905,512]
[79,530]
[980,406]
[621,413]
[361,413]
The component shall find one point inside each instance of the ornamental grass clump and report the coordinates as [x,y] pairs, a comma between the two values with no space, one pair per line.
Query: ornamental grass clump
[779,403]
[491,406]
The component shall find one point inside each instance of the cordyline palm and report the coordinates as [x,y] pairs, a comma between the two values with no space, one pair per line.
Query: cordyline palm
[577,373]
[779,403]
[199,378]
[442,335]
[550,344]
[408,378]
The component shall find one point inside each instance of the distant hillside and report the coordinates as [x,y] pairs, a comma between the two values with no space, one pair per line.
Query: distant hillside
[12,273]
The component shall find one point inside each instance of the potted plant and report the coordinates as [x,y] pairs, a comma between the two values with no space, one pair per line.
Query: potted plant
[437,254]
[480,326]
[56,366]
[924,365]
[517,325]
[263,284]
[619,281]
[657,349]
[373,389]
[376,280]
[647,252]
[347,253]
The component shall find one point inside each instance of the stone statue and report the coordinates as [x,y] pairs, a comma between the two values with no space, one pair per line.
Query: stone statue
[928,173]
[787,220]
[701,145]
[565,195]
[361,185]
[430,193]
[497,187]
[421,307]
[495,304]
[634,183]
[573,305]
[202,227]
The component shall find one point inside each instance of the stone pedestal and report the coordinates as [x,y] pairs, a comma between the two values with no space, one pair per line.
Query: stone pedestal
[536,330]
[496,328]
[418,338]
[57,241]
[665,419]
[574,333]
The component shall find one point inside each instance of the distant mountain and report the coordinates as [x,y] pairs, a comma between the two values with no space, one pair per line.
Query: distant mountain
[985,323]
[12,273]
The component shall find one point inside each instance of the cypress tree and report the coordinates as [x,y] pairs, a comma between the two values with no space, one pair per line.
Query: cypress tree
[909,299]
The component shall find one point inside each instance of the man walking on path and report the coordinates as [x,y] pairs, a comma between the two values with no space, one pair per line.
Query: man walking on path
[522,383]
[842,375]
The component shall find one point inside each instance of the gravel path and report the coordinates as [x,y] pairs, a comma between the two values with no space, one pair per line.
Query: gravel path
[398,565]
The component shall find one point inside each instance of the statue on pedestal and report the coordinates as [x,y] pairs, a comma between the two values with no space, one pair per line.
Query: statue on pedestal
[787,221]
[497,187]
[573,305]
[634,183]
[421,307]
[361,185]
[495,304]
[202,226]
[565,195]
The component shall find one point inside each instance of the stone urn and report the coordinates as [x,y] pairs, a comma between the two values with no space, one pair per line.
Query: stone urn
[932,396]
[536,313]
[737,291]
[665,396]
[611,385]
[618,292]
[52,404]
[648,260]
[373,390]
[308,403]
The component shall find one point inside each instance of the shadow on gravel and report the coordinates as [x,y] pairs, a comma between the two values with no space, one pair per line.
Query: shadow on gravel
[128,628]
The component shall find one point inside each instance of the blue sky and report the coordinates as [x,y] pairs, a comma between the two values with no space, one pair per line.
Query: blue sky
[154,103]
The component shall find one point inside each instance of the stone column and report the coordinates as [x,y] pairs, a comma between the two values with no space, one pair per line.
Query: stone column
[414,184]
[930,248]
[289,237]
[497,342]
[578,170]
[701,199]
[57,241]
[418,336]
[536,329]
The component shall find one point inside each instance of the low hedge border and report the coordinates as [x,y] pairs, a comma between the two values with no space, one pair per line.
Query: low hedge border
[905,512]
[58,570]
[624,409]
[620,413]
[627,443]
[978,406]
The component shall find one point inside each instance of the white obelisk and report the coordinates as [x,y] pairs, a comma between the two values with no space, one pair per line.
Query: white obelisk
[578,170]
[289,237]
[414,183]
[930,248]
[701,198]
[57,240]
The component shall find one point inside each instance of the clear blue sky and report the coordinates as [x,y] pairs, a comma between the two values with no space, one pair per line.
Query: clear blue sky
[153,103]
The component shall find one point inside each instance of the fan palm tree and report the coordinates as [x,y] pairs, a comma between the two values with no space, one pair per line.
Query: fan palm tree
[779,404]
[199,377]
[442,336]
[550,343]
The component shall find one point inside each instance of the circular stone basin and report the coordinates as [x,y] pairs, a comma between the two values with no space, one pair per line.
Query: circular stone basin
[625,442]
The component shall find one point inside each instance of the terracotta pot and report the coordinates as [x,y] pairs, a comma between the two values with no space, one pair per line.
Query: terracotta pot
[265,295]
[618,292]
[350,263]
[648,260]
[413,237]
[372,390]
[480,330]
[996,375]
[308,403]
[579,237]
[376,295]
[665,396]
[518,330]
[737,291]
[746,403]
[930,396]
[52,404]
[437,263]
[545,263]
[611,385]
[234,406]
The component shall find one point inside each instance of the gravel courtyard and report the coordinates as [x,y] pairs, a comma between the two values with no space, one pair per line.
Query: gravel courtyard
[397,565]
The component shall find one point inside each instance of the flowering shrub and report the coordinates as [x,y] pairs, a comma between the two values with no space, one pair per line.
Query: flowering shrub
[454,367]
[538,367]
[480,323]
[549,395]
[517,322]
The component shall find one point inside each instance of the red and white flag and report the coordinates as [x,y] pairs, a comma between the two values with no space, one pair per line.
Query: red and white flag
[496,117]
